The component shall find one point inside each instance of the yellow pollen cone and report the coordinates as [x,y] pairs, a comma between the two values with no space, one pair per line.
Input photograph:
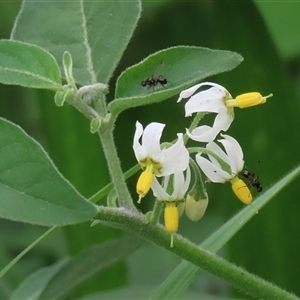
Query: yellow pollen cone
[241,190]
[247,100]
[144,183]
[171,216]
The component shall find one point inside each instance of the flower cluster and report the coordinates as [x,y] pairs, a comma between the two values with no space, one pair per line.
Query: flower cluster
[172,162]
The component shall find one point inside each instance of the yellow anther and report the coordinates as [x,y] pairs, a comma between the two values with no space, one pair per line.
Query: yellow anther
[247,100]
[241,190]
[143,185]
[171,216]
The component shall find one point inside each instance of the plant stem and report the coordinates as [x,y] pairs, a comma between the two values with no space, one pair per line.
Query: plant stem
[157,210]
[238,277]
[114,167]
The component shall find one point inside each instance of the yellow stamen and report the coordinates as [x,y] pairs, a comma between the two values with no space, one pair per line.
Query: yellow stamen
[171,216]
[241,190]
[247,100]
[143,185]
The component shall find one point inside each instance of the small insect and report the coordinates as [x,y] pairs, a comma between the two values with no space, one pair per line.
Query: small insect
[153,81]
[253,180]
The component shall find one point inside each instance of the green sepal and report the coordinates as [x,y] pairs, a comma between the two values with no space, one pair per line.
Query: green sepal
[95,125]
[61,96]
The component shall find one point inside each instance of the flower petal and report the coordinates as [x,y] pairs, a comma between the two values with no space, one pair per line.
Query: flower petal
[158,191]
[234,152]
[151,139]
[181,184]
[203,134]
[213,147]
[190,91]
[207,133]
[150,146]
[213,172]
[211,100]
[139,151]
[175,158]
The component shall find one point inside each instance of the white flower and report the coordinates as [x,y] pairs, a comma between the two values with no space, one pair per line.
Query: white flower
[219,101]
[210,101]
[155,160]
[180,186]
[233,158]
[234,163]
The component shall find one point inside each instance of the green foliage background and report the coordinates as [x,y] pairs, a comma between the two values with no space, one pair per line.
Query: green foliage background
[268,245]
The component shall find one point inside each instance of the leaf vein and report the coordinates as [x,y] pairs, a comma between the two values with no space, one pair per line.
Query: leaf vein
[30,74]
[87,46]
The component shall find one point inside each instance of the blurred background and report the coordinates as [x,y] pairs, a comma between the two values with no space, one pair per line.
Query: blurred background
[267,35]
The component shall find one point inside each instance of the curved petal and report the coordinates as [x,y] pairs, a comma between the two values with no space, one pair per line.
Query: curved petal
[234,152]
[175,158]
[214,173]
[203,134]
[213,147]
[207,133]
[139,152]
[181,184]
[151,139]
[158,191]
[178,184]
[190,91]
[210,100]
[187,179]
[223,121]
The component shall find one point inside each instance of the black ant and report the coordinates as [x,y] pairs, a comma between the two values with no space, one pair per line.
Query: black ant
[253,180]
[152,81]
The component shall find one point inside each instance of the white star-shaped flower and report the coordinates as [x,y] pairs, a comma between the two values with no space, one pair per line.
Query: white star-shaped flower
[228,168]
[154,159]
[219,101]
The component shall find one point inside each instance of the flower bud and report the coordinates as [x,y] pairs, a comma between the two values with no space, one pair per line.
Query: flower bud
[195,210]
[95,125]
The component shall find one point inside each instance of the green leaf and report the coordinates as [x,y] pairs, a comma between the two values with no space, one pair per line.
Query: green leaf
[31,188]
[35,284]
[28,65]
[185,273]
[87,263]
[96,33]
[182,66]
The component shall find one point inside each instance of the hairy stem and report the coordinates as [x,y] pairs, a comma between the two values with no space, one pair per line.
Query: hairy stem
[115,170]
[236,276]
